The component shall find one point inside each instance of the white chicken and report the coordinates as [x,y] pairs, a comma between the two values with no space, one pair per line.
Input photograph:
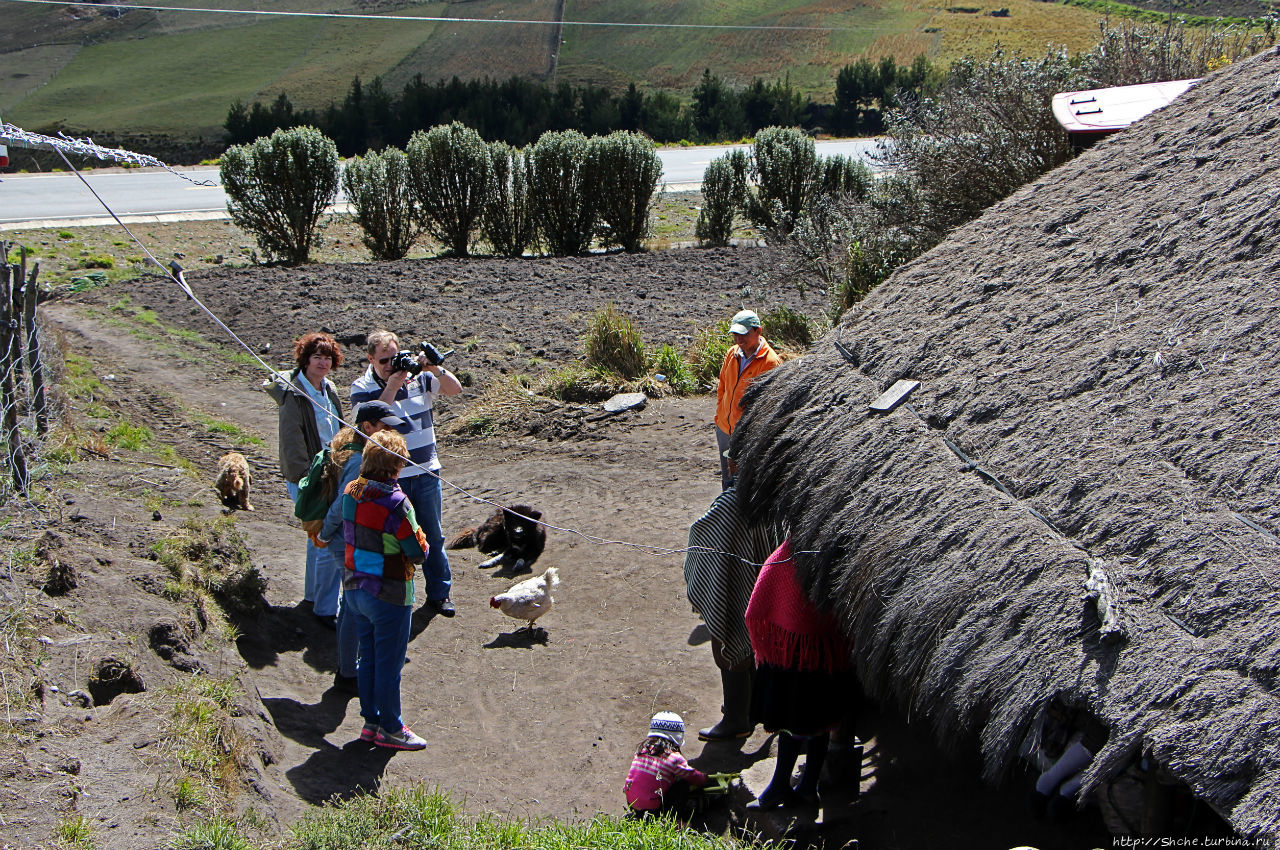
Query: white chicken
[529,599]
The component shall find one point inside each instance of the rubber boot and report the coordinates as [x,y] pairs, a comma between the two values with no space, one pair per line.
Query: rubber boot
[815,753]
[736,722]
[778,792]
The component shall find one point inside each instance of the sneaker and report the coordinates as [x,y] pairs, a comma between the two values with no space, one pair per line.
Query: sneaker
[401,740]
[369,732]
[444,607]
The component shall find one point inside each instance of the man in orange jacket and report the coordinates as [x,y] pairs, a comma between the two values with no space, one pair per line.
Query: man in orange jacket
[749,357]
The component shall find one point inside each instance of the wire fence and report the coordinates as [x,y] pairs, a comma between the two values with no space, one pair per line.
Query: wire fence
[24,396]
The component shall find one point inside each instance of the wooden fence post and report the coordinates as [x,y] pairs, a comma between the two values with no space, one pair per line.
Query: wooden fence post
[10,360]
[39,397]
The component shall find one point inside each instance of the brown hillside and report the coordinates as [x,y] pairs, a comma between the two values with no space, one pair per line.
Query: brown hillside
[1103,345]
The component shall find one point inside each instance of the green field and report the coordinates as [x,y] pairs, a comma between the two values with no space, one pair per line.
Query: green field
[178,72]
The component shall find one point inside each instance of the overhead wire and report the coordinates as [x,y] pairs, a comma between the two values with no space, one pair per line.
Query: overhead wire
[175,273]
[358,16]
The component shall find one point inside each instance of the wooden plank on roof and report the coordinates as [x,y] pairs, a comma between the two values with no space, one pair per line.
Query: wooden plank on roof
[895,395]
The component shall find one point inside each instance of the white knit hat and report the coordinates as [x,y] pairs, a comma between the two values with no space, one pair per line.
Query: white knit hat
[669,725]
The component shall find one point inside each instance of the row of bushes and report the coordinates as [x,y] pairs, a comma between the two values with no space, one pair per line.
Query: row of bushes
[564,193]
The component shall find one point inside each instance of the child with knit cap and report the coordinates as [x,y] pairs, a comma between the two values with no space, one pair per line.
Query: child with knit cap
[660,778]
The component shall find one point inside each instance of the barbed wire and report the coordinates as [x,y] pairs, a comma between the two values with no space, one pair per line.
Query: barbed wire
[64,144]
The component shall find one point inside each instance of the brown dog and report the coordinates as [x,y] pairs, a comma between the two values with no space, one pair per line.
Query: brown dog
[233,481]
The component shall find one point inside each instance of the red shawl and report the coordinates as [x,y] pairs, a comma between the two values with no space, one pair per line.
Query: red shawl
[787,630]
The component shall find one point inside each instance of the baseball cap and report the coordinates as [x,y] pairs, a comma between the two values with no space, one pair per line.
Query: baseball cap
[744,321]
[377,411]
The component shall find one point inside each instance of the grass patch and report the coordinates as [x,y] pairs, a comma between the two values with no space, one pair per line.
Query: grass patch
[131,438]
[422,817]
[215,834]
[234,432]
[75,831]
[201,736]
[706,354]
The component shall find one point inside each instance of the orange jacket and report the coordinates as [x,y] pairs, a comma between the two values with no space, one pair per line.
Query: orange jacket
[733,385]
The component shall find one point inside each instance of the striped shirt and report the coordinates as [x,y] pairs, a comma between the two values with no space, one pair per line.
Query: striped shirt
[719,582]
[413,404]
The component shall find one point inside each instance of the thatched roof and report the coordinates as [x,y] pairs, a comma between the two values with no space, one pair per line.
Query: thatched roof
[1106,344]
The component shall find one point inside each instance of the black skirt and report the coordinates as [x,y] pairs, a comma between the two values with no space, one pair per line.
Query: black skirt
[798,702]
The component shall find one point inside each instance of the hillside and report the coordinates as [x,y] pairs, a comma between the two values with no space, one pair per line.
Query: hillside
[90,69]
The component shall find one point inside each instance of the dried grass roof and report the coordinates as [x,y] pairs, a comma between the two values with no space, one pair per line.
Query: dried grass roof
[1106,344]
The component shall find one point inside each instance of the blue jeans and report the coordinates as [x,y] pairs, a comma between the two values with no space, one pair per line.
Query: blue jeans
[383,633]
[328,573]
[308,577]
[424,493]
[348,640]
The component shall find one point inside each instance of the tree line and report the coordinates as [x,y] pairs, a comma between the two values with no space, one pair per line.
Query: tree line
[518,111]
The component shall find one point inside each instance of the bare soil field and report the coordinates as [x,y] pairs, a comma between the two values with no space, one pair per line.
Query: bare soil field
[523,726]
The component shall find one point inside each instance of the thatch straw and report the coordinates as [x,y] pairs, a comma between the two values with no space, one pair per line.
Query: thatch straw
[1104,343]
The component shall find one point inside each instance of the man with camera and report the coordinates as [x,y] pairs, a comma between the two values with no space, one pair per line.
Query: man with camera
[410,385]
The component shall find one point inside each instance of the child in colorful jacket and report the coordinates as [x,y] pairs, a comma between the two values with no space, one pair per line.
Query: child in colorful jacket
[660,778]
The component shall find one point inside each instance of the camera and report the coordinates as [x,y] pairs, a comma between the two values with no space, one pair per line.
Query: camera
[406,361]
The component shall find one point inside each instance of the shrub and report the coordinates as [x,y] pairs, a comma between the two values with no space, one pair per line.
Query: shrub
[679,376]
[98,261]
[706,354]
[562,187]
[628,170]
[507,222]
[380,189]
[990,130]
[450,172]
[720,200]
[784,167]
[278,187]
[614,344]
[1133,53]
[787,328]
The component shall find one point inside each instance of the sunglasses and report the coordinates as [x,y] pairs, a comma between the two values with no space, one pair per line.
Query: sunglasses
[383,361]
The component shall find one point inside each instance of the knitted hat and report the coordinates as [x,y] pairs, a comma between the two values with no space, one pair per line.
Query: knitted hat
[669,725]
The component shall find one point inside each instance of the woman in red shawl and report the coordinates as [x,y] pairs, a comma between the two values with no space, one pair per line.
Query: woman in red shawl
[802,677]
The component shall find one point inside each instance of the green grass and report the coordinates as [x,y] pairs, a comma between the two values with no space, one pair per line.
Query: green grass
[133,438]
[75,831]
[239,436]
[419,817]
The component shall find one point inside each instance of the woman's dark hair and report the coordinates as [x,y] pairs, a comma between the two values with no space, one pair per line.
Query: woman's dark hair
[316,343]
[654,746]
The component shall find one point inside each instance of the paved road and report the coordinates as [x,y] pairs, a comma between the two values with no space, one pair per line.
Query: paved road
[156,195]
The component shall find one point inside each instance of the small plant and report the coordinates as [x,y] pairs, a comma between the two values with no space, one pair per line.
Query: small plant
[679,377]
[187,794]
[75,831]
[217,833]
[706,354]
[614,344]
[66,234]
[787,328]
